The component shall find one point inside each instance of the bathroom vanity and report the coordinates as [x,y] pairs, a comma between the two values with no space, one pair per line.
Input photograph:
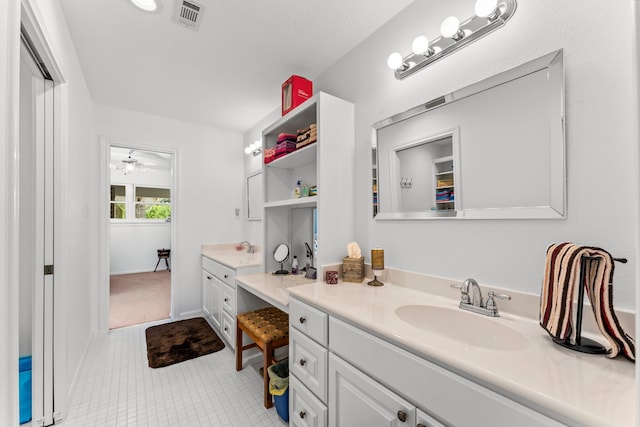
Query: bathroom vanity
[397,356]
[220,302]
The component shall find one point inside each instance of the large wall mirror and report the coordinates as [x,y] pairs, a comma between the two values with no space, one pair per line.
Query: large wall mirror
[492,150]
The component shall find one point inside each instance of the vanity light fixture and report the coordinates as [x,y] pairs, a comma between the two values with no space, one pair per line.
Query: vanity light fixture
[254,149]
[489,16]
[146,5]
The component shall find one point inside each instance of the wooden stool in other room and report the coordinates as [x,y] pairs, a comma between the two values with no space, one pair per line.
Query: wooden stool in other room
[163,254]
[268,328]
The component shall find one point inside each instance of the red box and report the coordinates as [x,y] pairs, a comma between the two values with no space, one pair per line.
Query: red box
[295,91]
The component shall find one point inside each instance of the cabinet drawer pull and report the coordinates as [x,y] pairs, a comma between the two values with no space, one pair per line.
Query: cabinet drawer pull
[209,277]
[402,416]
[302,319]
[226,329]
[421,425]
[302,414]
[226,300]
[302,362]
[226,276]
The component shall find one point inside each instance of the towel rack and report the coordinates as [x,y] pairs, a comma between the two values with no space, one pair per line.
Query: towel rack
[584,344]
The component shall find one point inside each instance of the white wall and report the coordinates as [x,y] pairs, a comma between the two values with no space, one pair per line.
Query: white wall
[602,157]
[209,176]
[75,207]
[134,246]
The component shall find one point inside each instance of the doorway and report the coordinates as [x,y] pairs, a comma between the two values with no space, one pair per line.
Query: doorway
[141,194]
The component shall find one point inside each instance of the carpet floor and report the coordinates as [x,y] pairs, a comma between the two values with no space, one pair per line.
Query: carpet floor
[139,298]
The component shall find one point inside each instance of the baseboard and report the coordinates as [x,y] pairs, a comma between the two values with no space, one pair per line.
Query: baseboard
[189,315]
[117,273]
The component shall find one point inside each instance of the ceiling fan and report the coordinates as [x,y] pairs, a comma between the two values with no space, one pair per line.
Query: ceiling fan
[130,164]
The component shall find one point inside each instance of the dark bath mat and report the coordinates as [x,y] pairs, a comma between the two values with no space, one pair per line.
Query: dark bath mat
[178,341]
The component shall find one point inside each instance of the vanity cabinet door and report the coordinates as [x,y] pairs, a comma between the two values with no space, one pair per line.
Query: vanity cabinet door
[357,400]
[206,293]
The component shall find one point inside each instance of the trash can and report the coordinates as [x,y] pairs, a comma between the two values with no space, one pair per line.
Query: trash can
[279,388]
[24,389]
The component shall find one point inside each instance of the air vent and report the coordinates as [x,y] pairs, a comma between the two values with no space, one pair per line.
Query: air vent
[189,14]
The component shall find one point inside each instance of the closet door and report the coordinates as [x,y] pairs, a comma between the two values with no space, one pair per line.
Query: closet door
[36,232]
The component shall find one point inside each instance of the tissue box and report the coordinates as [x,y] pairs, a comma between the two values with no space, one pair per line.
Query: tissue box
[295,91]
[353,269]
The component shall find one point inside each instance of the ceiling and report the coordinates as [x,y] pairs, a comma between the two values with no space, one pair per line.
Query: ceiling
[229,73]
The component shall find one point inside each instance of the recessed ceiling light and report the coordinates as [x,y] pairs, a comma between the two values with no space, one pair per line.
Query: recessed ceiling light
[146,5]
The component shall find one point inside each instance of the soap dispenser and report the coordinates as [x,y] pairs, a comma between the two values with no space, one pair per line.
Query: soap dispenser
[294,265]
[297,192]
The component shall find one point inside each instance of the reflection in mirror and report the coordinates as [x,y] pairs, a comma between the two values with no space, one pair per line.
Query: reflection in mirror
[254,196]
[492,150]
[280,255]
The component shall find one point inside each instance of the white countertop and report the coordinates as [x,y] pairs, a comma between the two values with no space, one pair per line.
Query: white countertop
[272,288]
[590,389]
[229,255]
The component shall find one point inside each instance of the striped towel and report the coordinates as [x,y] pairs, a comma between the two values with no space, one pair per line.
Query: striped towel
[562,274]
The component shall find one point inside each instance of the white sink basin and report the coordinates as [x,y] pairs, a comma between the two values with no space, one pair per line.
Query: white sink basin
[469,328]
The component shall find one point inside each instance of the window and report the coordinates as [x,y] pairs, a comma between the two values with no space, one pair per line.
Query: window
[118,205]
[137,203]
[153,203]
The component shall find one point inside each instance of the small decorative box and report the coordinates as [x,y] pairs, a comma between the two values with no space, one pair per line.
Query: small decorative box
[353,269]
[295,91]
[331,277]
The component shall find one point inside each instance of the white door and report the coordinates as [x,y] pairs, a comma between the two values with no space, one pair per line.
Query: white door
[36,232]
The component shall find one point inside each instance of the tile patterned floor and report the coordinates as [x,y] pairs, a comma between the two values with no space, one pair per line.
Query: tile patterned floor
[117,388]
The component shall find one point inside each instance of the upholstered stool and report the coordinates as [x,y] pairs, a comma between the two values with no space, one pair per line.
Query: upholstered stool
[268,328]
[163,254]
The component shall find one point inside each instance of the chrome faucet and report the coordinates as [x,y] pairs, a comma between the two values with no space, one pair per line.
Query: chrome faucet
[474,302]
[250,248]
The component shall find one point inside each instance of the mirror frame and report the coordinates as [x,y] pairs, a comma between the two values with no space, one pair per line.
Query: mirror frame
[553,63]
[278,246]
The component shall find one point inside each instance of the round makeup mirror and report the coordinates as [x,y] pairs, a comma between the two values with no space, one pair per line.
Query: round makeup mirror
[280,255]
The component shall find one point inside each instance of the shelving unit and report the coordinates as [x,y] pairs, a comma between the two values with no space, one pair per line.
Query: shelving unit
[326,163]
[444,183]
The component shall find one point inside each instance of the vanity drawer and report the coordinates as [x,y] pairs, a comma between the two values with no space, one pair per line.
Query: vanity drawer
[228,276]
[229,299]
[228,328]
[305,409]
[309,320]
[222,272]
[308,362]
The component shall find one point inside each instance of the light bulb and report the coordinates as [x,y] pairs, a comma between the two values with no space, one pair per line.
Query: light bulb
[420,45]
[450,27]
[252,147]
[395,61]
[146,5]
[258,143]
[485,8]
[247,150]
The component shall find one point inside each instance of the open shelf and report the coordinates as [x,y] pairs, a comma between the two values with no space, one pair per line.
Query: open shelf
[301,202]
[303,156]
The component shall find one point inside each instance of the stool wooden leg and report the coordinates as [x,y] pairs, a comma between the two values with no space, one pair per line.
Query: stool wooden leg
[238,348]
[268,359]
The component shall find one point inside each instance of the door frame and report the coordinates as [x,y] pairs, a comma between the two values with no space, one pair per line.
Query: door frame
[106,142]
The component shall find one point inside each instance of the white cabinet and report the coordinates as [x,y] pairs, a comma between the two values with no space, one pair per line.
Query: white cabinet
[357,400]
[323,221]
[308,363]
[220,302]
[440,393]
[211,286]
